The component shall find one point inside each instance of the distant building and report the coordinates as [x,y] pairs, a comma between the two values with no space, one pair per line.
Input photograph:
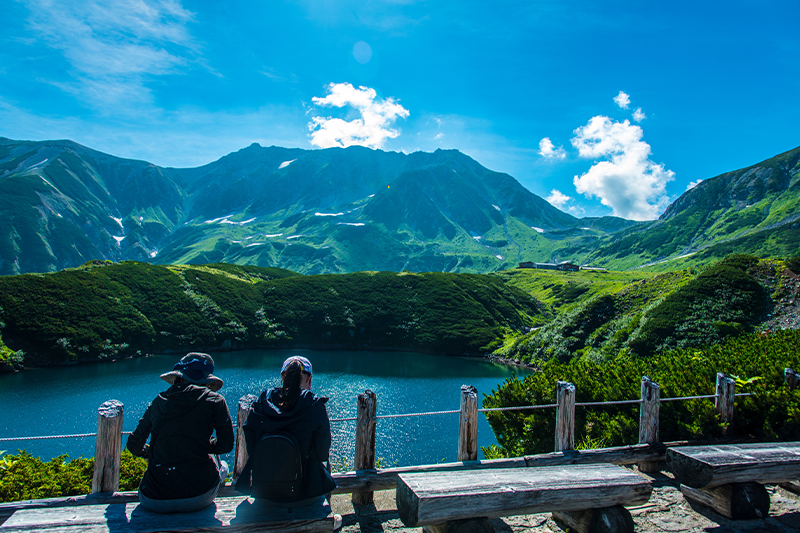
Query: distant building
[547,266]
[568,266]
[526,264]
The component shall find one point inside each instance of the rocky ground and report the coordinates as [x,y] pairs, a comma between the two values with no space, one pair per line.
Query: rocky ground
[666,512]
[786,311]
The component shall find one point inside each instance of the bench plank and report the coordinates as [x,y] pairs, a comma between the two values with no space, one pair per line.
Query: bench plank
[229,515]
[712,466]
[435,497]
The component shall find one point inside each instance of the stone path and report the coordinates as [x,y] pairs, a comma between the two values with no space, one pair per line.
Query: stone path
[666,512]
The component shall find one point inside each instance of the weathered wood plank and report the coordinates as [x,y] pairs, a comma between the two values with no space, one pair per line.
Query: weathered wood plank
[386,479]
[240,452]
[649,412]
[228,515]
[468,424]
[737,501]
[108,447]
[724,402]
[565,416]
[615,519]
[712,466]
[366,425]
[436,497]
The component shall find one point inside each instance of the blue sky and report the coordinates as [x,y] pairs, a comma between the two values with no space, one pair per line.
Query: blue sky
[603,107]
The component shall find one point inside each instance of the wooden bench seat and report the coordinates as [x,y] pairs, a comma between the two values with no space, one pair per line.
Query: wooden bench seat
[729,478]
[581,495]
[228,515]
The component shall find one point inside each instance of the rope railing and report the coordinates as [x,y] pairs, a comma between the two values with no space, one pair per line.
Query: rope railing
[428,413]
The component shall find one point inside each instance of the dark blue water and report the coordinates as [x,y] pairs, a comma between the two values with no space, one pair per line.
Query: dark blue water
[64,400]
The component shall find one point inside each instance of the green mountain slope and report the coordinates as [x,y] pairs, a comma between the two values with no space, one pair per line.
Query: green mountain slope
[599,316]
[347,210]
[753,210]
[106,311]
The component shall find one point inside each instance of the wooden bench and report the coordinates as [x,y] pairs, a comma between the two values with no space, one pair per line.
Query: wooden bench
[586,498]
[228,515]
[729,478]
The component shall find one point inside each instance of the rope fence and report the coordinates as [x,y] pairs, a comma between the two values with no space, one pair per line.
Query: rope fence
[428,413]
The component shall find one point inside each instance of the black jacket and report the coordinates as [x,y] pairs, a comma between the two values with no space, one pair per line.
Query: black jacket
[308,422]
[181,421]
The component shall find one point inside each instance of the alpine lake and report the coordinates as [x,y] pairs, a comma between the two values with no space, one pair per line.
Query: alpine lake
[64,400]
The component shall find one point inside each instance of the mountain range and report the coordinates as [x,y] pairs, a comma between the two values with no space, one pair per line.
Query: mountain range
[355,209]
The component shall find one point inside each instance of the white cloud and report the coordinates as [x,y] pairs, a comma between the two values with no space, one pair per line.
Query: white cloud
[576,210]
[622,100]
[113,45]
[549,151]
[639,115]
[371,129]
[627,181]
[439,135]
[693,184]
[558,199]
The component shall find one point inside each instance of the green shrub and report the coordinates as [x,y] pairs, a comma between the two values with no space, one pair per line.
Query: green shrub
[24,477]
[756,360]
[721,302]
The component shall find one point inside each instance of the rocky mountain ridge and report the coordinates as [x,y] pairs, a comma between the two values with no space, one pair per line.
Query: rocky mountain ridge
[345,210]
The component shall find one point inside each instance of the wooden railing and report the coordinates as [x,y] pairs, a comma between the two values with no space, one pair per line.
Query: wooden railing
[366,479]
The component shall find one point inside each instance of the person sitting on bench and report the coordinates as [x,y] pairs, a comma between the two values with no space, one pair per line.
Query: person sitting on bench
[288,438]
[182,476]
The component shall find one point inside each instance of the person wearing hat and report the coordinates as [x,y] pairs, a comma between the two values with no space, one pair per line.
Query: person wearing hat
[182,476]
[292,409]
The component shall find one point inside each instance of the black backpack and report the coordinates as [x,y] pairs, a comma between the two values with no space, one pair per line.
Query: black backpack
[277,467]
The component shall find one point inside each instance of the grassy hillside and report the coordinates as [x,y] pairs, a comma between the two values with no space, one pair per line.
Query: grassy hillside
[104,310]
[599,315]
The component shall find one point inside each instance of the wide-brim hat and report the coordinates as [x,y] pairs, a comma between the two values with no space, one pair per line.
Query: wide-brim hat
[195,368]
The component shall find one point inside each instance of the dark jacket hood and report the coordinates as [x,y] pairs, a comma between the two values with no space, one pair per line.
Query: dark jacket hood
[182,397]
[275,418]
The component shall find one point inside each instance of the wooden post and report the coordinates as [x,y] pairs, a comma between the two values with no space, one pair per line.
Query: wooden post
[365,440]
[240,452]
[737,501]
[468,424]
[649,419]
[726,388]
[565,416]
[108,447]
[790,377]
